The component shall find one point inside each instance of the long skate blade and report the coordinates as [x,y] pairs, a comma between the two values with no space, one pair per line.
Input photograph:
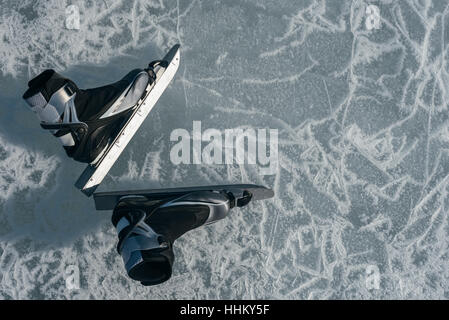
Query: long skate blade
[93,175]
[108,200]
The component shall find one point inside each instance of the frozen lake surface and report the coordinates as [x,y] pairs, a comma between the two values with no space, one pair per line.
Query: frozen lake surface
[362,114]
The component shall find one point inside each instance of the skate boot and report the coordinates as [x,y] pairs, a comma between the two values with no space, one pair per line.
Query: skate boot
[95,125]
[84,120]
[149,221]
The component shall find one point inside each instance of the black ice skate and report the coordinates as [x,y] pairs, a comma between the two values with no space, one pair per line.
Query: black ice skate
[95,125]
[149,221]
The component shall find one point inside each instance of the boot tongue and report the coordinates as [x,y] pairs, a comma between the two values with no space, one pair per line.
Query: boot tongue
[39,80]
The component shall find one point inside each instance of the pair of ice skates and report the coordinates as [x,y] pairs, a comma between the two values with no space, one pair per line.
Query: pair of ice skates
[94,126]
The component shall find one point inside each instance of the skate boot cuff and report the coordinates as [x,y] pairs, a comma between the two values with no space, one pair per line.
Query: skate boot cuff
[41,88]
[155,267]
[147,255]
[49,95]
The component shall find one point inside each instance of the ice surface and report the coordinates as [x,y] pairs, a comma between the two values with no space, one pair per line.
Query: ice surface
[363,124]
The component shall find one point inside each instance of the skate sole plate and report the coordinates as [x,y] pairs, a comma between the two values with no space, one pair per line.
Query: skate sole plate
[93,175]
[108,200]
